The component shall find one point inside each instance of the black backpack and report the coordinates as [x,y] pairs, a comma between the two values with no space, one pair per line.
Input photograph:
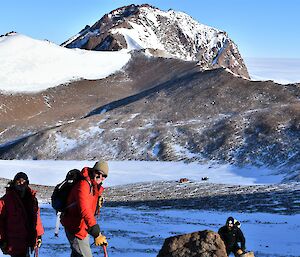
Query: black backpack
[61,191]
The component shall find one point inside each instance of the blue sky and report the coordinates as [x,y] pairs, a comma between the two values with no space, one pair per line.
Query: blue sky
[260,28]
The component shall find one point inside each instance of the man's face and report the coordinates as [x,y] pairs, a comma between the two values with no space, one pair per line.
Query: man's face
[99,177]
[230,225]
[21,182]
[21,185]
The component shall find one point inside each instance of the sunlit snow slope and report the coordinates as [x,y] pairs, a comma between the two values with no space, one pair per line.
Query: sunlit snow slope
[29,65]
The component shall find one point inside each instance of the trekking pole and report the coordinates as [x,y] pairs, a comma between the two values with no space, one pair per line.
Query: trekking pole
[105,251]
[57,224]
[36,252]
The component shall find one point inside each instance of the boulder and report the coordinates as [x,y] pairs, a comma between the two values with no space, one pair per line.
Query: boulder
[198,244]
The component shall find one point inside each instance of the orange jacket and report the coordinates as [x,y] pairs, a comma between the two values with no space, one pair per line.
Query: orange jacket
[20,221]
[82,203]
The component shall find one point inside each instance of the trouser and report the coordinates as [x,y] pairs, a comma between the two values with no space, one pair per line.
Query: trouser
[21,255]
[79,247]
[234,249]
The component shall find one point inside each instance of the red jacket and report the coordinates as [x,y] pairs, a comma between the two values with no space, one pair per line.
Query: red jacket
[82,202]
[20,221]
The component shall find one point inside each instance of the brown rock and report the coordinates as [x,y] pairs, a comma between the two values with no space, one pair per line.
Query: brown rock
[199,244]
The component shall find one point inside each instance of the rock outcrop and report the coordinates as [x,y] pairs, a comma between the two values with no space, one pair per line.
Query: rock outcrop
[198,244]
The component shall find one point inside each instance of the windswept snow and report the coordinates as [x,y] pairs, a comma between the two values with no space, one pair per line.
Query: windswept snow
[141,231]
[125,172]
[29,65]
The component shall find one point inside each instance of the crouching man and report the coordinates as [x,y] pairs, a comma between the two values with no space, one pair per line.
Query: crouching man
[232,236]
[79,218]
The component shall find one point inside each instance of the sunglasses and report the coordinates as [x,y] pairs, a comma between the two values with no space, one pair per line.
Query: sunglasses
[98,175]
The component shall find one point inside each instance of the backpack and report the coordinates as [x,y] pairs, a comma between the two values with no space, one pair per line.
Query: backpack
[237,223]
[61,191]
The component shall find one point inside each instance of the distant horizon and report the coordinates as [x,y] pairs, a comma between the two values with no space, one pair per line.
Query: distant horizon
[261,29]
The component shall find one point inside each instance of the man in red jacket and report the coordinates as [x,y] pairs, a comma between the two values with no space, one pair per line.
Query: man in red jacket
[20,222]
[79,218]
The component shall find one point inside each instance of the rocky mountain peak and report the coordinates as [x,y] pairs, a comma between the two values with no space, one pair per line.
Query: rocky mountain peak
[11,33]
[170,34]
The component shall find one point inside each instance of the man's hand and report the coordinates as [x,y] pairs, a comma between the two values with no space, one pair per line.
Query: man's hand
[100,240]
[39,242]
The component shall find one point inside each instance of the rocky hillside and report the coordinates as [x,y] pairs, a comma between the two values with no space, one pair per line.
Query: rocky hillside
[26,114]
[167,34]
[197,116]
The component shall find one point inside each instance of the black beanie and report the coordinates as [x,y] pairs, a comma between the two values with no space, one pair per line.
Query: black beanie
[230,220]
[21,175]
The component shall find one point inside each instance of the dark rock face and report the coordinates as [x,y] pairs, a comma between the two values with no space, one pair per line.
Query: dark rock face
[165,34]
[199,244]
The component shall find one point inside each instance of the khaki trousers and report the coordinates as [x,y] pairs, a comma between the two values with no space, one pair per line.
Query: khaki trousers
[79,247]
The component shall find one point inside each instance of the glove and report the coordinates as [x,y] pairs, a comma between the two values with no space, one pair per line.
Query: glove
[100,201]
[240,252]
[39,242]
[3,246]
[100,240]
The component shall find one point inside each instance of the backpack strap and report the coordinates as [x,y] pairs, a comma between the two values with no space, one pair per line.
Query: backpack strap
[91,191]
[90,184]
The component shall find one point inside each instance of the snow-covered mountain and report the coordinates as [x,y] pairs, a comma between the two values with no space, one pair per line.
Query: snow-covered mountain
[30,65]
[167,34]
[138,106]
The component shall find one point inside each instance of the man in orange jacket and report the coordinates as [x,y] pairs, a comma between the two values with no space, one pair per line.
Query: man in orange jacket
[20,222]
[79,218]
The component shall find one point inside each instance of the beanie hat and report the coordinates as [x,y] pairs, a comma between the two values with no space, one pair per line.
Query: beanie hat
[102,167]
[230,220]
[20,175]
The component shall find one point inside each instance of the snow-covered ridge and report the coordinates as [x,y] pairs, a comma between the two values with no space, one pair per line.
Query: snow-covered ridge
[146,32]
[170,33]
[29,65]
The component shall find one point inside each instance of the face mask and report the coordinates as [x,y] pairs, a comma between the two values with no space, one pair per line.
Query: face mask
[21,189]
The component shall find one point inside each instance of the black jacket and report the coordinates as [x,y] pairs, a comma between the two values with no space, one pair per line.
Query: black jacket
[232,237]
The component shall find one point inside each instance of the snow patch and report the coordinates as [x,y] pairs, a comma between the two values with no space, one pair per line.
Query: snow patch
[65,144]
[26,62]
